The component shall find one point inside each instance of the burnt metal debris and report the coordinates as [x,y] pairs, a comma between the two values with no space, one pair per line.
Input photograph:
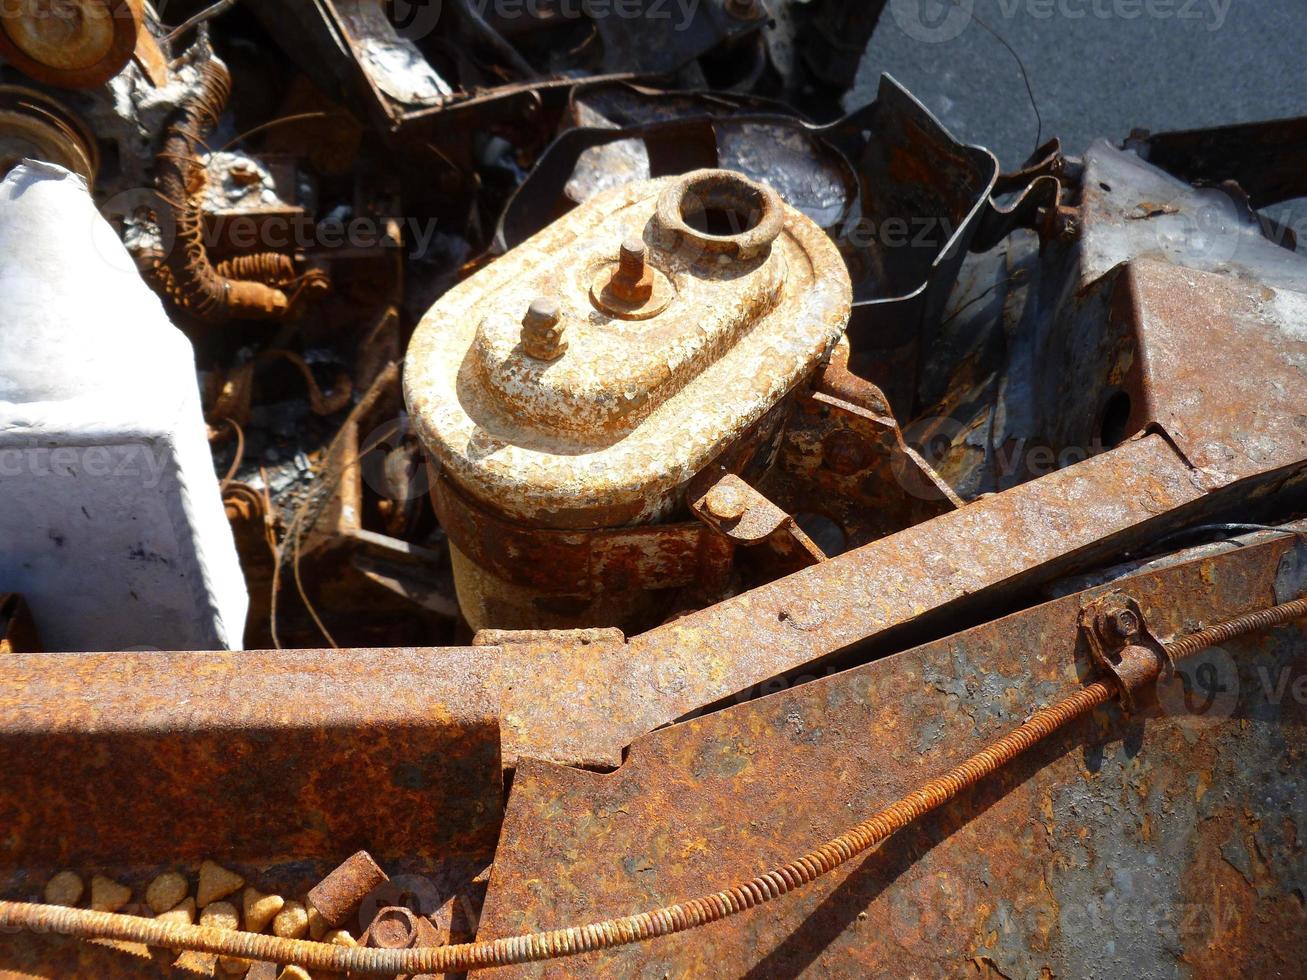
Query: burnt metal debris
[659,492]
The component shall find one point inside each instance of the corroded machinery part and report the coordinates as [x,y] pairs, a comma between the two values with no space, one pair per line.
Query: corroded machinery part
[582,381]
[186,272]
[70,43]
[35,126]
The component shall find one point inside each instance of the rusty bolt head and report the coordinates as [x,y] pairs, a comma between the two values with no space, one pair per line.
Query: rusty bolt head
[633,282]
[726,502]
[243,175]
[844,453]
[544,312]
[394,927]
[542,329]
[1123,624]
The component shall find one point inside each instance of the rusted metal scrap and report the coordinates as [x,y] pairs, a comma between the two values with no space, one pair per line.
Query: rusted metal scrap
[186,270]
[682,485]
[599,423]
[1108,830]
[81,46]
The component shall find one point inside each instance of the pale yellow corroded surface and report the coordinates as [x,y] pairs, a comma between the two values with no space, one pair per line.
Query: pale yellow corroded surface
[317,924]
[182,914]
[220,915]
[610,432]
[260,909]
[108,895]
[216,882]
[165,891]
[292,922]
[65,888]
[234,966]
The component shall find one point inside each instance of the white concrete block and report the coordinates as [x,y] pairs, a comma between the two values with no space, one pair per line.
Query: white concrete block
[111,523]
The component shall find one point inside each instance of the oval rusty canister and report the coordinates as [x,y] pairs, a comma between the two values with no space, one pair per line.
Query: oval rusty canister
[569,393]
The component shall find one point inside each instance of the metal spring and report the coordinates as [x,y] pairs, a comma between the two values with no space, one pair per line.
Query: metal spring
[269,268]
[681,917]
[196,285]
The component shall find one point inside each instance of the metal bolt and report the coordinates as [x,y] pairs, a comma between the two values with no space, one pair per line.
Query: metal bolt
[338,896]
[633,282]
[632,258]
[243,175]
[726,502]
[1123,623]
[844,453]
[542,329]
[394,927]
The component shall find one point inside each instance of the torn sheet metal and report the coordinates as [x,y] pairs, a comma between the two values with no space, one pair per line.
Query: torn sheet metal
[1060,347]
[1162,843]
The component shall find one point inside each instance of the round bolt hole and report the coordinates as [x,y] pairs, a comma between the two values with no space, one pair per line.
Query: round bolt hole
[721,222]
[393,928]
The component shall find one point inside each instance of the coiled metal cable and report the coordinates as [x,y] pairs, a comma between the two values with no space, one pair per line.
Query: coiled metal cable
[186,271]
[557,943]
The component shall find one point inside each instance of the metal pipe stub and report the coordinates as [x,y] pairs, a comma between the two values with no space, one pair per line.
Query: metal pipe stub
[721,212]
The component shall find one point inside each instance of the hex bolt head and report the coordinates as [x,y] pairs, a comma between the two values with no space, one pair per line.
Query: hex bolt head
[544,312]
[633,281]
[726,502]
[542,329]
[1123,623]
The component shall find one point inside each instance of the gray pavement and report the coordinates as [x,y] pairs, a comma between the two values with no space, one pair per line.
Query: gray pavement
[1097,67]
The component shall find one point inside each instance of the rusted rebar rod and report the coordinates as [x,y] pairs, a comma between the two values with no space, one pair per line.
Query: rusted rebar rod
[682,917]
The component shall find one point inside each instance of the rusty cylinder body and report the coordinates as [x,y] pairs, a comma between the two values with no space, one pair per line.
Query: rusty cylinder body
[569,393]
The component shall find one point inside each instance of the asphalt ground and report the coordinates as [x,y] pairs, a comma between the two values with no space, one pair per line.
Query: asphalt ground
[1096,67]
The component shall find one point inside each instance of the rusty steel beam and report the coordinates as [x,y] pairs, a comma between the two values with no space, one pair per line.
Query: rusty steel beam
[581,697]
[148,757]
[1174,832]
[596,704]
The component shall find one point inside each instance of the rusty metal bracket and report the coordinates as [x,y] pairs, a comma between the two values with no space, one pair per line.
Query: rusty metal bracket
[1121,644]
[740,513]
